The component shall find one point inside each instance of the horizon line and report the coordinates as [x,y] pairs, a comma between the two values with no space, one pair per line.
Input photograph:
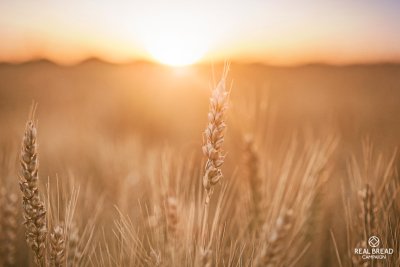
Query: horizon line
[201,63]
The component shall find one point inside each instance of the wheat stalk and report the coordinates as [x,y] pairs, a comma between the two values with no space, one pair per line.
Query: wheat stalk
[255,182]
[8,228]
[367,217]
[171,207]
[57,246]
[368,211]
[271,254]
[213,136]
[74,254]
[171,221]
[34,211]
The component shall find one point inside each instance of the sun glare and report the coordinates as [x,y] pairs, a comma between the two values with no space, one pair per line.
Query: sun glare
[174,49]
[174,53]
[175,41]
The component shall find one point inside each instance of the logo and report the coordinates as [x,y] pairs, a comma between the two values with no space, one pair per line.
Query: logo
[373,241]
[374,252]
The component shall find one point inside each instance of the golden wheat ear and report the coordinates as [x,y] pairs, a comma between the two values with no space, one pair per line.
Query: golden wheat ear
[213,136]
[33,208]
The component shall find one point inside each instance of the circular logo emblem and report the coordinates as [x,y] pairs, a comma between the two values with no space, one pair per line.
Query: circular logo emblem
[373,241]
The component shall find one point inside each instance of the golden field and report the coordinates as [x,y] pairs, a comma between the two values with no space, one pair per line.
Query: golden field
[308,160]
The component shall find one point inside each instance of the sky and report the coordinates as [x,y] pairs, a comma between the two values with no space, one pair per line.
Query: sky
[286,32]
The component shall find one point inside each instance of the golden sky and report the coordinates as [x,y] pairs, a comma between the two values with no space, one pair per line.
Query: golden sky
[282,32]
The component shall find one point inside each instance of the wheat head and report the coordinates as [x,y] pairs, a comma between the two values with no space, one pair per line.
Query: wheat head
[57,246]
[272,253]
[34,211]
[213,137]
[8,228]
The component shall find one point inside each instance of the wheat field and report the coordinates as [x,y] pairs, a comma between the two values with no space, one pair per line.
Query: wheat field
[236,165]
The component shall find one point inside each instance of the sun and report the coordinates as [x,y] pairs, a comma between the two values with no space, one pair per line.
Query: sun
[175,49]
[175,53]
[175,40]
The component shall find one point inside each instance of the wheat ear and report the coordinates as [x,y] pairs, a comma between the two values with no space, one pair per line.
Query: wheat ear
[368,211]
[57,246]
[9,228]
[74,253]
[367,217]
[255,182]
[34,211]
[272,253]
[172,215]
[214,136]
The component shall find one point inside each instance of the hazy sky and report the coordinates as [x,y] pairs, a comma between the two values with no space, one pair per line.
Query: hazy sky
[275,32]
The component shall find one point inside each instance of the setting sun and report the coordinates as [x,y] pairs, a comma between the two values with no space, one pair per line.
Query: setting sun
[174,49]
[176,38]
